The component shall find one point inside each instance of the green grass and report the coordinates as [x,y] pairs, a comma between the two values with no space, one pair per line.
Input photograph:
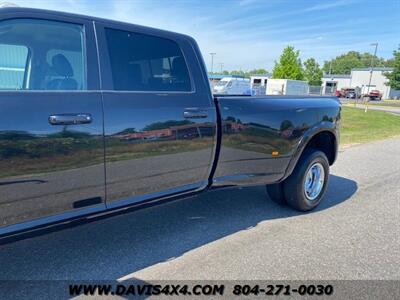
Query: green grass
[360,127]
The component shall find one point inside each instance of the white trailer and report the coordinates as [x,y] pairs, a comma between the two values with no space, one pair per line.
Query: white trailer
[287,87]
[232,86]
[258,83]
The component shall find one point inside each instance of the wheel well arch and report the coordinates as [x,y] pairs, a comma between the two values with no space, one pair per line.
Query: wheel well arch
[324,141]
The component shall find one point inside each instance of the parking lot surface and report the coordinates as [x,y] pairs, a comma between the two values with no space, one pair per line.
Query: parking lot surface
[237,234]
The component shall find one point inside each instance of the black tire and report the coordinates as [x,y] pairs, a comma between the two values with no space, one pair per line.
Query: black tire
[275,192]
[293,186]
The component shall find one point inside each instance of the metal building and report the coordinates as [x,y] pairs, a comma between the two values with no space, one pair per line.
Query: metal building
[360,78]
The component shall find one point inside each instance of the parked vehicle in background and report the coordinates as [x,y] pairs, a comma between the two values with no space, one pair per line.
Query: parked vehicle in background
[106,115]
[338,94]
[374,95]
[232,86]
[287,87]
[258,83]
[351,94]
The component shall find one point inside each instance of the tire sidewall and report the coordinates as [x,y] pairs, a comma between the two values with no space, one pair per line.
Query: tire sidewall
[294,187]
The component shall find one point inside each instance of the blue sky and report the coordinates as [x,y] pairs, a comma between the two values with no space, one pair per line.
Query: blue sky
[249,34]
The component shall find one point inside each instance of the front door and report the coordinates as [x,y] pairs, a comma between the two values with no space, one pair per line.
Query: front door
[51,123]
[159,126]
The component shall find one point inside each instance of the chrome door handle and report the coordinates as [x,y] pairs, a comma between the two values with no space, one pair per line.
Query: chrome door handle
[195,113]
[70,119]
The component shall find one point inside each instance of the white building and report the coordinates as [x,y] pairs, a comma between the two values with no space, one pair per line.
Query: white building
[334,82]
[359,78]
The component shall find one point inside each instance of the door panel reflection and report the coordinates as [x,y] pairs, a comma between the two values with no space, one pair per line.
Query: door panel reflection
[47,169]
[151,147]
[259,137]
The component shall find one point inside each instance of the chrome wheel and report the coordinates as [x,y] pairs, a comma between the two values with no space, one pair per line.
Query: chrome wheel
[314,181]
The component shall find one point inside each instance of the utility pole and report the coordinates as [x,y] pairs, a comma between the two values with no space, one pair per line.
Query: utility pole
[330,75]
[212,60]
[221,65]
[371,70]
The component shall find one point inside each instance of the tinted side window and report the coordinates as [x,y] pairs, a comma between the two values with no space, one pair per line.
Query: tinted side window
[42,55]
[141,62]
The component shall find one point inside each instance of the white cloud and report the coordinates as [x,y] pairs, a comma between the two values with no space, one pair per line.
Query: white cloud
[330,4]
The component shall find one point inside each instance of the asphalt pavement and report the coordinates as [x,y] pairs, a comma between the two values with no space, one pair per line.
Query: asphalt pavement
[237,234]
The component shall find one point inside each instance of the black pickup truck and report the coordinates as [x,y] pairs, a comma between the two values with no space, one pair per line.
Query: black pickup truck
[97,116]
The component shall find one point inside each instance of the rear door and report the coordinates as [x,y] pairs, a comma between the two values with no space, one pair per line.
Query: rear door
[159,121]
[51,123]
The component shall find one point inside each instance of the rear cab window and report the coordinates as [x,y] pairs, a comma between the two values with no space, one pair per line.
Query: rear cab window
[142,62]
[37,54]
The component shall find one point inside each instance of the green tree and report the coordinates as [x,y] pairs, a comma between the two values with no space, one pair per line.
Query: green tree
[343,64]
[245,74]
[394,76]
[390,63]
[127,131]
[257,71]
[289,65]
[312,72]
[237,72]
[166,124]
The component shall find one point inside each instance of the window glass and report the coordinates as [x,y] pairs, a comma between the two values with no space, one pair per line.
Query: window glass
[142,62]
[75,59]
[41,55]
[13,60]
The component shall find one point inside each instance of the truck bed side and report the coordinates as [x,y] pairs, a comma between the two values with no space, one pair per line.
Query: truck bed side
[263,136]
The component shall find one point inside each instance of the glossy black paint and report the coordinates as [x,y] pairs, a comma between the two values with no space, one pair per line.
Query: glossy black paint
[157,143]
[46,169]
[255,127]
[151,150]
[140,147]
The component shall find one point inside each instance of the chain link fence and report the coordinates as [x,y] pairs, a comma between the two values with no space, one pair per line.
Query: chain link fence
[315,90]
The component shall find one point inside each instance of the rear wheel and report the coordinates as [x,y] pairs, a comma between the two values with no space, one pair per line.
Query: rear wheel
[304,189]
